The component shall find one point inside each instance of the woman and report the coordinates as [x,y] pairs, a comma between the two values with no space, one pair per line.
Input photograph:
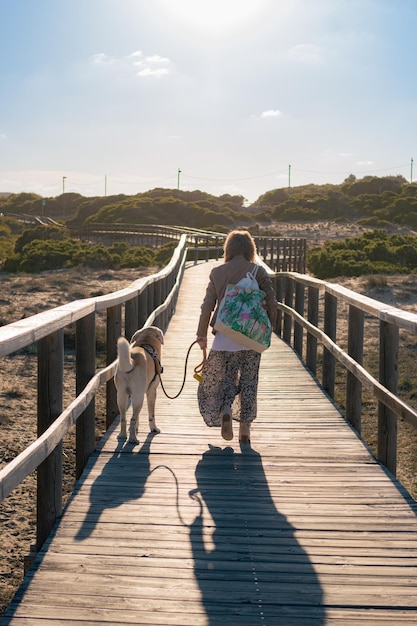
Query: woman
[230,373]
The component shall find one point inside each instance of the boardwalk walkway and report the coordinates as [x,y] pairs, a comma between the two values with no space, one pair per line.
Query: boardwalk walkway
[304,529]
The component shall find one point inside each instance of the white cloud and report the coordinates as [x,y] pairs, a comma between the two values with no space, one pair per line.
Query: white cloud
[149,65]
[147,71]
[365,163]
[155,58]
[2,135]
[100,58]
[271,113]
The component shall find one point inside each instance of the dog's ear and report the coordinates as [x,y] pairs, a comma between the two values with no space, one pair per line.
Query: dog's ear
[136,335]
[157,333]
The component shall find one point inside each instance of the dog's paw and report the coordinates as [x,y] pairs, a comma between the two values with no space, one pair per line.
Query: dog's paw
[155,429]
[133,439]
[122,436]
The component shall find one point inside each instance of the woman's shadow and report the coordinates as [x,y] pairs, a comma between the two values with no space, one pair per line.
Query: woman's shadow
[253,568]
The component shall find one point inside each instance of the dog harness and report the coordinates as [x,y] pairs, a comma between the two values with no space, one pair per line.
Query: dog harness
[152,352]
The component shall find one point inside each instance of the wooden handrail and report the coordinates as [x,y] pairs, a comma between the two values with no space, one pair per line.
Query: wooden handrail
[391,320]
[46,329]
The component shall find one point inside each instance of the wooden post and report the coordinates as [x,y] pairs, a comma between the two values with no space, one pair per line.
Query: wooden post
[329,361]
[279,292]
[196,250]
[388,376]
[131,317]
[289,297]
[50,392]
[114,331]
[313,318]
[150,289]
[299,307]
[142,308]
[85,369]
[353,384]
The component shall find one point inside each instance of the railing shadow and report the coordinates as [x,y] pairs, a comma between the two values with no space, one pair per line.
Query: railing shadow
[135,464]
[254,569]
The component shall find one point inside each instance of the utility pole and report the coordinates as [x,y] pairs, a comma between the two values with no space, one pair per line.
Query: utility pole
[411,173]
[63,198]
[289,177]
[178,178]
[105,185]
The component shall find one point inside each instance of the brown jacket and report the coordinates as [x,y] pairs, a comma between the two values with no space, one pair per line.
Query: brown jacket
[230,273]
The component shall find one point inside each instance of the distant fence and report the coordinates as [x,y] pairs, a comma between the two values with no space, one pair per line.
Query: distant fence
[282,254]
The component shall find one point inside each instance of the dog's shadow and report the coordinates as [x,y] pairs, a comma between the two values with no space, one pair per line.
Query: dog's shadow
[123,478]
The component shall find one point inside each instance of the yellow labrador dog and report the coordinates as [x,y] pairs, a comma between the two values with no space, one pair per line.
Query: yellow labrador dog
[137,375]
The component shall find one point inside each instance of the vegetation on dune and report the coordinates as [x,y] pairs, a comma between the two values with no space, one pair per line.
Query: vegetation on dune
[51,247]
[374,203]
[374,252]
[372,200]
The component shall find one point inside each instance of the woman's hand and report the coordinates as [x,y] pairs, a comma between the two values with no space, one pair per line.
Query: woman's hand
[202,342]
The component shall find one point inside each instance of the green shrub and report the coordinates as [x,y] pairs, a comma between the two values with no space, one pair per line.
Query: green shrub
[374,252]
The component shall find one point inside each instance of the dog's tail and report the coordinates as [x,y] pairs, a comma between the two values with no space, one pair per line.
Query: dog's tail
[123,352]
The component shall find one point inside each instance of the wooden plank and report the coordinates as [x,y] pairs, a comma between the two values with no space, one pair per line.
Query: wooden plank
[304,529]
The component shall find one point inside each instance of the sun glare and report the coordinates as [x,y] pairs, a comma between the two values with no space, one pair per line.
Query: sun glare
[213,16]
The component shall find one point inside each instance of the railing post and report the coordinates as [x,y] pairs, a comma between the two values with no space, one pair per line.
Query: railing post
[353,384]
[388,376]
[289,297]
[329,361]
[114,330]
[278,265]
[131,317]
[50,393]
[196,250]
[150,298]
[142,308]
[85,370]
[303,260]
[299,307]
[313,318]
[279,285]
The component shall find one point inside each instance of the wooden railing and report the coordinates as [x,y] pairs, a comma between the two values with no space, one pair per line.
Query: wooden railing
[149,300]
[280,253]
[146,301]
[309,316]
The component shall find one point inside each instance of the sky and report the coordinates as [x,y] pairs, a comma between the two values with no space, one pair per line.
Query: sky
[103,97]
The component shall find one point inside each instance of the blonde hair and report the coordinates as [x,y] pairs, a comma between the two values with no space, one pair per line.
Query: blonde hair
[239,242]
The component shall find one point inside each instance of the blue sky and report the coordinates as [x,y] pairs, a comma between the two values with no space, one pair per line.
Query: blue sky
[241,96]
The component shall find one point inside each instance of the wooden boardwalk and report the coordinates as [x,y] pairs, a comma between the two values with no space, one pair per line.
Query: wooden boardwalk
[303,529]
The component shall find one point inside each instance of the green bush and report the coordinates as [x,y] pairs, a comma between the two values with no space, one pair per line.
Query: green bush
[40,255]
[374,252]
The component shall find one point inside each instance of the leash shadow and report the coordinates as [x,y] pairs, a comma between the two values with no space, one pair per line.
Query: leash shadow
[255,569]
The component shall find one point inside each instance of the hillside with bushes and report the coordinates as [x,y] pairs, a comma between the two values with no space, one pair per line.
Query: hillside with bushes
[374,201]
[380,205]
